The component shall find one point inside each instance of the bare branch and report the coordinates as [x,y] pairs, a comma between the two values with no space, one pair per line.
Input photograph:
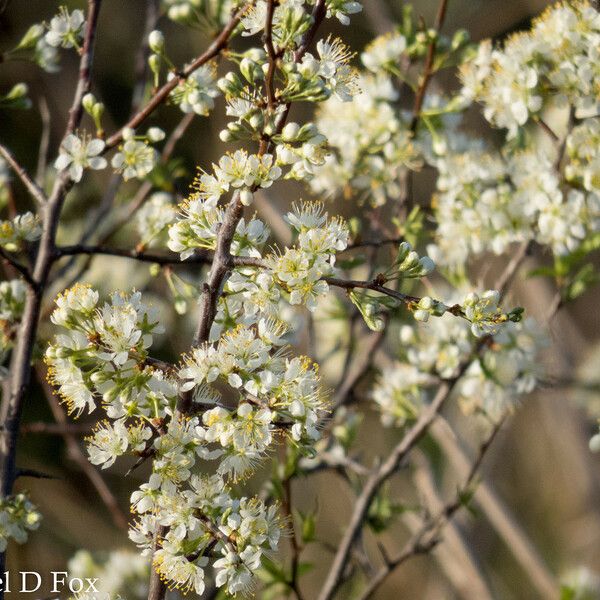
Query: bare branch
[35,191]
[44,141]
[22,269]
[428,535]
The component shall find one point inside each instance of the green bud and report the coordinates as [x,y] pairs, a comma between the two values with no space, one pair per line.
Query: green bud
[459,39]
[257,121]
[88,102]
[156,41]
[30,39]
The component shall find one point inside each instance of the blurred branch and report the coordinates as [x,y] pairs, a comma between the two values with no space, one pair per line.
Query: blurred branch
[35,191]
[40,171]
[33,473]
[58,428]
[428,535]
[498,514]
[141,59]
[76,453]
[428,67]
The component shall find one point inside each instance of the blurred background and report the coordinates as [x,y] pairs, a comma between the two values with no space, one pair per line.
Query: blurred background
[542,478]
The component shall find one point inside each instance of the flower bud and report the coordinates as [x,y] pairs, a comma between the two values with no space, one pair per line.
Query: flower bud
[155,134]
[88,102]
[421,315]
[225,135]
[257,121]
[30,39]
[180,305]
[426,303]
[246,197]
[290,132]
[156,41]
[128,133]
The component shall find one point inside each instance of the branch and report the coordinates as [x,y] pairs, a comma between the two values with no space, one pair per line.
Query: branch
[20,366]
[427,536]
[428,68]
[44,141]
[58,428]
[22,269]
[35,191]
[202,257]
[219,44]
[271,53]
[394,460]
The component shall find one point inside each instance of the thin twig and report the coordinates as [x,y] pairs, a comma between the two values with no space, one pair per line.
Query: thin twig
[428,67]
[33,188]
[22,269]
[44,141]
[427,537]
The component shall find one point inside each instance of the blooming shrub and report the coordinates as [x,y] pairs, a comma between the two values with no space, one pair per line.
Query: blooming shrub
[204,424]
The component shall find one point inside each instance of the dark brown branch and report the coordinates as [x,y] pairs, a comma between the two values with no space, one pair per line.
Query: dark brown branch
[17,266]
[20,366]
[271,53]
[200,257]
[58,428]
[33,188]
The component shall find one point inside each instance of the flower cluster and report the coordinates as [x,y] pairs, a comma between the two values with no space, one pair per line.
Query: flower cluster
[18,516]
[371,144]
[554,62]
[204,519]
[197,92]
[486,201]
[197,226]
[506,370]
[300,270]
[22,228]
[103,357]
[103,354]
